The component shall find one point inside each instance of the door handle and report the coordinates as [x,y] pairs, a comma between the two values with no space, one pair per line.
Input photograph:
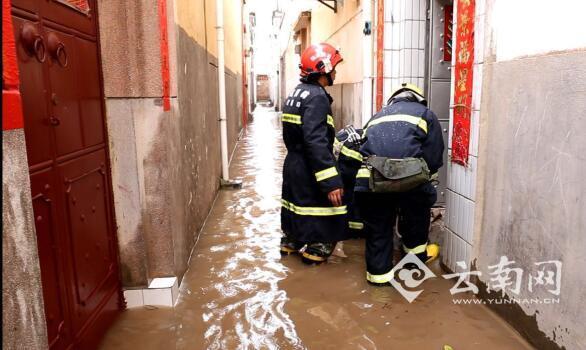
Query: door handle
[33,42]
[57,49]
[54,121]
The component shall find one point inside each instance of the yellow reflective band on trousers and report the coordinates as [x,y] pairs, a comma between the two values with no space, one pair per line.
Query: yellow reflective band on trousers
[292,118]
[326,173]
[384,278]
[314,211]
[355,225]
[419,121]
[363,173]
[350,153]
[331,121]
[417,250]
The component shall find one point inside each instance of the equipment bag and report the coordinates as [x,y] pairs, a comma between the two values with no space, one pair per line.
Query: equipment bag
[396,175]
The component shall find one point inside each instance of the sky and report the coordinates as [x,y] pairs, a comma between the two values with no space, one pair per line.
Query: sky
[267,46]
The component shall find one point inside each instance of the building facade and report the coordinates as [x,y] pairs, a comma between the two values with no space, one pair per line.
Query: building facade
[518,194]
[111,154]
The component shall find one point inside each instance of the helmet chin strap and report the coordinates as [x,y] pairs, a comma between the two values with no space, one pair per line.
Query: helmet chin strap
[330,80]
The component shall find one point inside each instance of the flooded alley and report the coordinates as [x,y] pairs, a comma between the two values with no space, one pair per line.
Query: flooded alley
[147,184]
[239,293]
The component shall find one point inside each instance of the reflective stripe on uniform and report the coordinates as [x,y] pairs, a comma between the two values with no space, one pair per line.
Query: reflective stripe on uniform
[417,250]
[419,121]
[314,211]
[326,173]
[355,225]
[292,118]
[350,153]
[363,173]
[384,278]
[331,121]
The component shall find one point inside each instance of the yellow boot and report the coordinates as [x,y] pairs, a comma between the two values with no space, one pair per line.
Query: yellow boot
[433,252]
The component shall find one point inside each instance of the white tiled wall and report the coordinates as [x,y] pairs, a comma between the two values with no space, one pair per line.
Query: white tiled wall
[455,249]
[460,217]
[404,43]
[461,193]
[462,180]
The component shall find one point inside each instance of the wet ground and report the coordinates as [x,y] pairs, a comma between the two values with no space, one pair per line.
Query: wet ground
[239,293]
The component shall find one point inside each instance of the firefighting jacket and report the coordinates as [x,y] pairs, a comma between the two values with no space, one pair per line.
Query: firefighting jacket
[310,170]
[402,129]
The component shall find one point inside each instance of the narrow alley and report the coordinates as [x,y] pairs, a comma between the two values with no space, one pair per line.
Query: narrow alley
[239,293]
[194,174]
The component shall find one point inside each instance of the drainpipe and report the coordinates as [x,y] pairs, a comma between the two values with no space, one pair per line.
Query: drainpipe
[367,61]
[244,77]
[380,35]
[225,181]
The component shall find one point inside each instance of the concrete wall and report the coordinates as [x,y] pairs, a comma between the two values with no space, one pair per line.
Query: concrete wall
[165,164]
[193,39]
[347,106]
[291,74]
[138,131]
[529,188]
[198,106]
[23,314]
[232,29]
[344,30]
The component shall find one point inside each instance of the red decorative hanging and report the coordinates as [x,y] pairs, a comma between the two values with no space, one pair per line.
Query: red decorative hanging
[463,81]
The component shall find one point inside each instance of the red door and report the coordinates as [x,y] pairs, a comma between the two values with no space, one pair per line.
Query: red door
[57,48]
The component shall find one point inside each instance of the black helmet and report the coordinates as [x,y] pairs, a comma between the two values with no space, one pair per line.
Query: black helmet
[411,88]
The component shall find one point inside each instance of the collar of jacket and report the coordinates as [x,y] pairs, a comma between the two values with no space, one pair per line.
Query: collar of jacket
[326,92]
[405,96]
[304,81]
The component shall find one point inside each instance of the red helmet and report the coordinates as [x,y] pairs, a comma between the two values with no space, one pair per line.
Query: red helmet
[319,59]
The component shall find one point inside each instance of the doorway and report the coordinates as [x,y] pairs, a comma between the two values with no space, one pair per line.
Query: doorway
[61,86]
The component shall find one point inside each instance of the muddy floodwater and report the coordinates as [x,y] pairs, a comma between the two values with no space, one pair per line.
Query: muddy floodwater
[239,293]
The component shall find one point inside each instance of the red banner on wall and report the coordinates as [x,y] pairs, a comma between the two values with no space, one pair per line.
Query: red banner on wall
[463,80]
[165,74]
[11,103]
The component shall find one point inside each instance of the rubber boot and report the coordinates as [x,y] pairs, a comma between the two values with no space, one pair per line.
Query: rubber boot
[290,246]
[316,253]
[432,252]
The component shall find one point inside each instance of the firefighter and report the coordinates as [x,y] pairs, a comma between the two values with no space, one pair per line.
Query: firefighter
[402,139]
[347,150]
[313,215]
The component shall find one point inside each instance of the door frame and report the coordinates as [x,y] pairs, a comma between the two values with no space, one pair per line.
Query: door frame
[111,210]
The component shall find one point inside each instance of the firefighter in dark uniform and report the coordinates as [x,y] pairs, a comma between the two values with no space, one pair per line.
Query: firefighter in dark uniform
[313,215]
[347,149]
[404,129]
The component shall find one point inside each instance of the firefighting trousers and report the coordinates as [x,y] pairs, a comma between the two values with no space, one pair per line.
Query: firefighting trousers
[379,212]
